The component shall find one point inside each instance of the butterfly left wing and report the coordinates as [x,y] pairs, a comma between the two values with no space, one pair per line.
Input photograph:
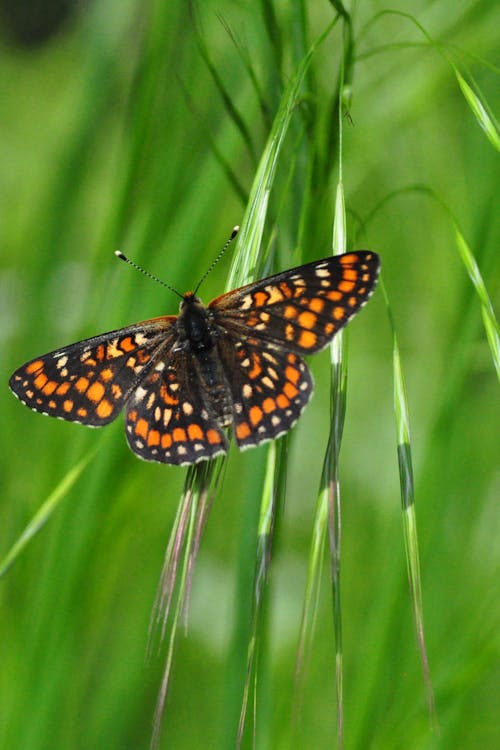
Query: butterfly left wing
[89,381]
[301,309]
[168,418]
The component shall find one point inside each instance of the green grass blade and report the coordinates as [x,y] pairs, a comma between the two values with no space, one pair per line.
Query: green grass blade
[487,312]
[202,480]
[226,97]
[480,111]
[272,493]
[43,514]
[248,257]
[328,508]
[408,507]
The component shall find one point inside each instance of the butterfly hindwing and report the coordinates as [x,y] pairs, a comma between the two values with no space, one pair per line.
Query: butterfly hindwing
[301,309]
[269,389]
[89,381]
[167,418]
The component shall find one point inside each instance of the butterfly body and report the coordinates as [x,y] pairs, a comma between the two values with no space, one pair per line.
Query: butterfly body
[236,363]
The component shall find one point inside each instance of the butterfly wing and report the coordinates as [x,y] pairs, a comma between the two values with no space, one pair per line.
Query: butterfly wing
[269,388]
[265,326]
[302,309]
[168,419]
[89,381]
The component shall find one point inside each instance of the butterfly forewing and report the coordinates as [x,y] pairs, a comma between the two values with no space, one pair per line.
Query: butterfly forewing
[89,381]
[302,309]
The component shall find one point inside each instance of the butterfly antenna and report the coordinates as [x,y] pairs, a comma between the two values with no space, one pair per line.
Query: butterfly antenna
[235,231]
[123,257]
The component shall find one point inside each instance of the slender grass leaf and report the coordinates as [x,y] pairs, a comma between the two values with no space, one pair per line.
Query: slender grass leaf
[45,512]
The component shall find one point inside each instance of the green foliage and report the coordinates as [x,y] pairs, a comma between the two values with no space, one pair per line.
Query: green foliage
[141,127]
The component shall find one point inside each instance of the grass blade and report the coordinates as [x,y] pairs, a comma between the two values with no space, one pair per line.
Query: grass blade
[202,481]
[487,312]
[45,512]
[408,507]
[480,111]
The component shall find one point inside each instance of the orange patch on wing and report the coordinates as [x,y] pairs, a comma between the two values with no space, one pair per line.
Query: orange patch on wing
[255,415]
[68,405]
[195,432]
[289,332]
[256,368]
[106,374]
[346,286]
[290,390]
[126,344]
[316,305]
[167,398]
[329,328]
[338,313]
[292,374]
[132,415]
[179,435]
[243,430]
[290,312]
[34,366]
[260,298]
[166,440]
[95,392]
[269,405]
[287,292]
[100,353]
[153,437]
[49,387]
[347,259]
[307,339]
[334,295]
[350,274]
[63,388]
[307,319]
[282,401]
[141,428]
[82,412]
[352,301]
[82,384]
[116,390]
[104,409]
[299,290]
[213,437]
[52,404]
[40,381]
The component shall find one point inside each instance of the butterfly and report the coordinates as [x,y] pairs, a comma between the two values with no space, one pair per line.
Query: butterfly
[184,379]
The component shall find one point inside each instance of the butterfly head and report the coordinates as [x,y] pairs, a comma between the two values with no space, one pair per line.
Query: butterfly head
[190,301]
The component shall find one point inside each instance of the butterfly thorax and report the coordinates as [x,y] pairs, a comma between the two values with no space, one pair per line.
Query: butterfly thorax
[197,332]
[193,324]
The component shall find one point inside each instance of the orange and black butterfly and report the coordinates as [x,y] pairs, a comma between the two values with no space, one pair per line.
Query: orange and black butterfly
[184,379]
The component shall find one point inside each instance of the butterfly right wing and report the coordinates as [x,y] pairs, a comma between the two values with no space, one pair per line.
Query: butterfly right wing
[303,308]
[269,387]
[89,381]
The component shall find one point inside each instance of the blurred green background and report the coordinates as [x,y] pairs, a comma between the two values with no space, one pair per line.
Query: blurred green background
[113,135]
